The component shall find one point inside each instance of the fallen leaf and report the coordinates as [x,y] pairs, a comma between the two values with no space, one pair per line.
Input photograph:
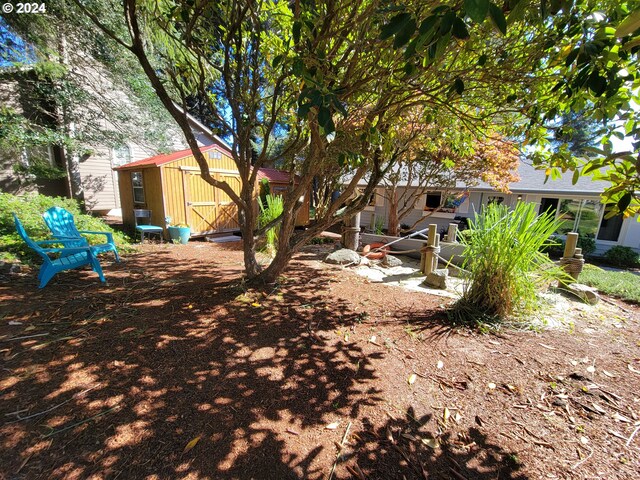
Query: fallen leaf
[373,338]
[430,442]
[598,408]
[412,379]
[332,426]
[346,337]
[573,362]
[608,374]
[491,386]
[292,431]
[457,417]
[440,364]
[14,322]
[446,414]
[591,369]
[255,304]
[584,440]
[632,369]
[390,436]
[479,421]
[621,418]
[546,346]
[408,436]
[191,444]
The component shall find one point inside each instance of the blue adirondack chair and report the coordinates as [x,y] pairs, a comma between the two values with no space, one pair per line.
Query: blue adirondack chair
[70,257]
[62,226]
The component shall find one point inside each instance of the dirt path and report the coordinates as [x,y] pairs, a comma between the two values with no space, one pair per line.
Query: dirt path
[174,370]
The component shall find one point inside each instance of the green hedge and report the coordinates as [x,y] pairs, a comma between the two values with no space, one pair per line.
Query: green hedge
[29,209]
[624,257]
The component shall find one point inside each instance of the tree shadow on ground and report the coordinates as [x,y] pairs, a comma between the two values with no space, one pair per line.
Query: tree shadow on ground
[413,447]
[120,380]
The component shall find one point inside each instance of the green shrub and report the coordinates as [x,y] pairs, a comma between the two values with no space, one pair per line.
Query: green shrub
[621,256]
[271,209]
[29,209]
[378,227]
[506,267]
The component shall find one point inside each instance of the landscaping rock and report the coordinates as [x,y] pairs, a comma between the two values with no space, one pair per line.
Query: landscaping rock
[583,292]
[344,256]
[437,279]
[391,261]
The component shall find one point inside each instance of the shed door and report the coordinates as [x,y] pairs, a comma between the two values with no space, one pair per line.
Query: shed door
[209,209]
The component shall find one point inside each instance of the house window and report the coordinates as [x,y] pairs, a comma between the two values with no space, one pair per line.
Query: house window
[41,154]
[581,216]
[121,155]
[610,227]
[138,187]
[548,205]
[495,199]
[448,204]
[215,155]
[433,200]
[372,200]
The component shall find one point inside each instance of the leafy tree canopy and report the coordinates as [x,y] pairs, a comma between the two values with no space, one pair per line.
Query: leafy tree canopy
[335,76]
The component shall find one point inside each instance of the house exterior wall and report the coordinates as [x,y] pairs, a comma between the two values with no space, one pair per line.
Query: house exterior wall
[23,102]
[100,182]
[629,233]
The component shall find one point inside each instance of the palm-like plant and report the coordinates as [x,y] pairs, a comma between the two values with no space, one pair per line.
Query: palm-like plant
[506,267]
[269,212]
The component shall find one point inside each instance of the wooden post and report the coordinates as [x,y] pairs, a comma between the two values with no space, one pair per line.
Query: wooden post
[434,265]
[452,233]
[570,245]
[429,256]
[351,233]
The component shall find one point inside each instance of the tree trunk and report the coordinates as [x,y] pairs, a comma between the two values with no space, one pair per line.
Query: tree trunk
[392,227]
[248,222]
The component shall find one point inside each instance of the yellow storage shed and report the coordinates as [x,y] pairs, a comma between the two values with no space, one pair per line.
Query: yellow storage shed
[171,186]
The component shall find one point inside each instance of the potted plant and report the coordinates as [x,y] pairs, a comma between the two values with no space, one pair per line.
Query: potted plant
[179,233]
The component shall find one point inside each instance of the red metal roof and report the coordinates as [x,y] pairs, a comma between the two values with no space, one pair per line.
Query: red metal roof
[166,158]
[273,175]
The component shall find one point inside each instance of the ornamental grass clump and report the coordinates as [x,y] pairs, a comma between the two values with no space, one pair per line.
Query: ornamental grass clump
[270,209]
[505,265]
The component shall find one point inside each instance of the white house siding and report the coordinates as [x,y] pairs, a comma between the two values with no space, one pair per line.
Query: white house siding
[629,233]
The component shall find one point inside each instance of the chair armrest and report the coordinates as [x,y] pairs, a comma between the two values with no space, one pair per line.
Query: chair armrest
[109,235]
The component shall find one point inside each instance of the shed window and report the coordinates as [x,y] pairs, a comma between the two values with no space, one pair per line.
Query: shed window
[138,188]
[215,155]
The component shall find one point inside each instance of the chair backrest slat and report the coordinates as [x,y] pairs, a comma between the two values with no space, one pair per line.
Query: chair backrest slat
[142,216]
[23,234]
[60,222]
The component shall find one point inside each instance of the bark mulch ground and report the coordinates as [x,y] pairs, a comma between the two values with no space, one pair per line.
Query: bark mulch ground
[176,370]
